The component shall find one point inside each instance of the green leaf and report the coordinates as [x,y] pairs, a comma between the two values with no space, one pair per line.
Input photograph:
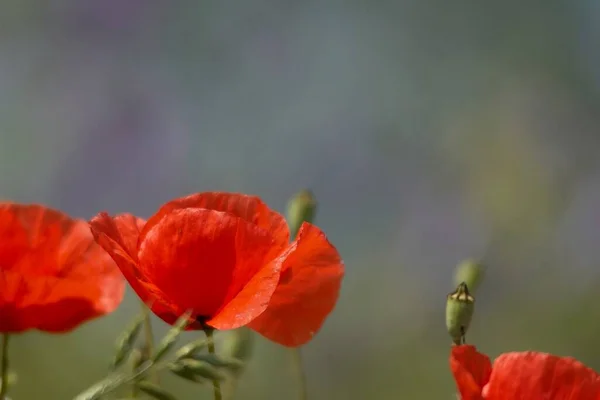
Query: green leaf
[136,359]
[185,373]
[102,387]
[191,348]
[154,391]
[202,369]
[171,337]
[195,371]
[125,341]
[219,361]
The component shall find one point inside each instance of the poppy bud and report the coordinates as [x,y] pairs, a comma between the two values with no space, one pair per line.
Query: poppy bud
[459,311]
[302,207]
[470,272]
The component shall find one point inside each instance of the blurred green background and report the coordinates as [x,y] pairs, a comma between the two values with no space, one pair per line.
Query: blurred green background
[430,131]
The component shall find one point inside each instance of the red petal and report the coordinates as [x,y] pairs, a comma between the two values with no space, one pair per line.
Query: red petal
[81,261]
[14,236]
[129,227]
[201,260]
[471,371]
[53,276]
[531,375]
[38,232]
[117,237]
[249,208]
[307,292]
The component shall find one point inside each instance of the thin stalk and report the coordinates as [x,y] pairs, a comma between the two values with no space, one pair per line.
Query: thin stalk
[211,350]
[297,360]
[4,367]
[308,209]
[136,360]
[148,334]
[115,381]
[148,338]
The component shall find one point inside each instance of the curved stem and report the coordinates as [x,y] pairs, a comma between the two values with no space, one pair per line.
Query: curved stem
[297,356]
[4,367]
[211,350]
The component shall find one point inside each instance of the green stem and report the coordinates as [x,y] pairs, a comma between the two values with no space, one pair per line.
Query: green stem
[115,381]
[297,360]
[148,337]
[211,350]
[148,334]
[136,359]
[4,367]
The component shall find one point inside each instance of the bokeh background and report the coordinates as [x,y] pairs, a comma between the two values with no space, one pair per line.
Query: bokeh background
[430,131]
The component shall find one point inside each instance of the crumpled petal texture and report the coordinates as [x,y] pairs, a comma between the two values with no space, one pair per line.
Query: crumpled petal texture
[308,289]
[118,236]
[522,375]
[222,255]
[53,276]
[532,375]
[202,259]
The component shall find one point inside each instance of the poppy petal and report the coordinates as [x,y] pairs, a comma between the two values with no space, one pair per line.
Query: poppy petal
[253,283]
[30,238]
[52,261]
[116,236]
[251,301]
[129,227]
[200,258]
[249,208]
[82,260]
[14,236]
[121,230]
[471,371]
[533,375]
[38,231]
[307,291]
[52,318]
[51,305]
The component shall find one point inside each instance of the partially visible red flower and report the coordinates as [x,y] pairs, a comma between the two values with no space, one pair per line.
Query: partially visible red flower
[53,276]
[522,375]
[227,257]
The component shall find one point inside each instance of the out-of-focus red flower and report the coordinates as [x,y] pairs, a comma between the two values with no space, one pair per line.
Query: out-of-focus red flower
[227,257]
[522,375]
[53,275]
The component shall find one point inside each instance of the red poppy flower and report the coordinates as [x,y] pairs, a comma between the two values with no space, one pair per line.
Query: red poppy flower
[53,276]
[227,257]
[522,375]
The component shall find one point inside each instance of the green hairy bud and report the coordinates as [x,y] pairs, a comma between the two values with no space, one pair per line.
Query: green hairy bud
[460,305]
